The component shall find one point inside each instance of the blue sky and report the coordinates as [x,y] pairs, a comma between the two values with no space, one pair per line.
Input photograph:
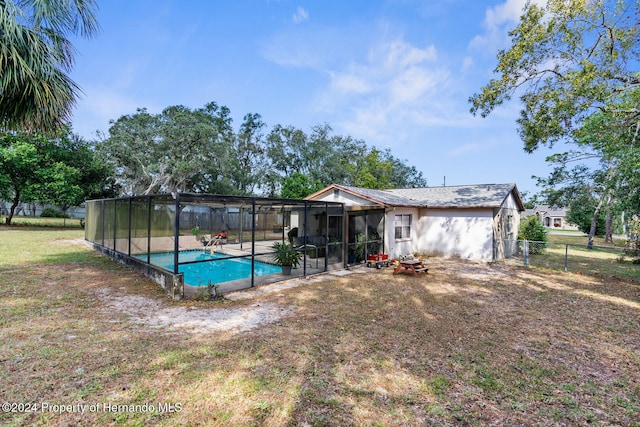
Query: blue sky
[396,74]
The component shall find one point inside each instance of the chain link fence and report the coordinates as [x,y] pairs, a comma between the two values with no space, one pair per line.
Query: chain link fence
[607,261]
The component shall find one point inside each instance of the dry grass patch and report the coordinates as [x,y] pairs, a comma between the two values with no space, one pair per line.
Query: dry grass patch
[469,344]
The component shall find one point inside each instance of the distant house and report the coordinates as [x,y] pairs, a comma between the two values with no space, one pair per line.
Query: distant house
[551,217]
[477,222]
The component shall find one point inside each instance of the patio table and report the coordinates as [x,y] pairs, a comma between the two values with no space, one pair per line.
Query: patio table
[412,266]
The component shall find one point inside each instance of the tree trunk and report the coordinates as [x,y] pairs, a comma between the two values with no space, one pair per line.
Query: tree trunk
[608,238]
[16,201]
[594,221]
[608,235]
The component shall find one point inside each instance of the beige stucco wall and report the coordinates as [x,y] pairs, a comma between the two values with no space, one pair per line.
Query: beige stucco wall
[394,247]
[464,233]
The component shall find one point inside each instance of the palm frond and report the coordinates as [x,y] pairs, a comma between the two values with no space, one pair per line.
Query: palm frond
[36,92]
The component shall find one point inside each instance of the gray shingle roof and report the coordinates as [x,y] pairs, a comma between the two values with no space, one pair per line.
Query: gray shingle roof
[461,196]
[551,210]
[385,197]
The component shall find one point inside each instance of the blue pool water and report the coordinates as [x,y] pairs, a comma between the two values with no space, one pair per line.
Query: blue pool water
[214,270]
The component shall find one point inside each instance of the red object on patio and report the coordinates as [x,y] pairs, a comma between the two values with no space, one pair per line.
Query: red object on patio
[378,260]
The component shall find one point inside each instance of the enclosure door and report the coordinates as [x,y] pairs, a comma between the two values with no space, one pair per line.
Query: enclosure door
[334,234]
[365,231]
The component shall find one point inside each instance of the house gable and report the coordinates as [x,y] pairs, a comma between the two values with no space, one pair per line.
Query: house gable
[346,195]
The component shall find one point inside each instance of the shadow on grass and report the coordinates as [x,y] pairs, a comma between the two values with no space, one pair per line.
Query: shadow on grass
[368,349]
[77,256]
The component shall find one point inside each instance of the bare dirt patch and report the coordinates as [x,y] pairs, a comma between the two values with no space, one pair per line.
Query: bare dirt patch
[468,344]
[152,313]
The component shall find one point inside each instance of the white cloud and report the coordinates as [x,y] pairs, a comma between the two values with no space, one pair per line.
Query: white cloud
[302,49]
[384,91]
[349,83]
[396,86]
[99,106]
[464,150]
[367,122]
[401,54]
[506,12]
[498,21]
[467,63]
[301,15]
[294,55]
[395,68]
[110,104]
[409,86]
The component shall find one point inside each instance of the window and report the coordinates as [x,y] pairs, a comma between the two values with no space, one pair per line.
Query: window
[402,225]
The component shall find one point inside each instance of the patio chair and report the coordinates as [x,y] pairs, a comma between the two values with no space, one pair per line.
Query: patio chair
[216,240]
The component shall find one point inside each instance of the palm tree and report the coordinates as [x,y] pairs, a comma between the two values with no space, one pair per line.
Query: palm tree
[35,56]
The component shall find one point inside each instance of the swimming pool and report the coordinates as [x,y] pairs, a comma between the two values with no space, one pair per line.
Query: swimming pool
[214,269]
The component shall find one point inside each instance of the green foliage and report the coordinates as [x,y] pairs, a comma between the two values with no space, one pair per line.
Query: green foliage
[18,159]
[179,149]
[567,59]
[324,158]
[299,186]
[52,213]
[581,214]
[356,250]
[248,164]
[36,55]
[374,171]
[633,235]
[574,65]
[530,201]
[532,229]
[359,248]
[61,170]
[198,151]
[285,255]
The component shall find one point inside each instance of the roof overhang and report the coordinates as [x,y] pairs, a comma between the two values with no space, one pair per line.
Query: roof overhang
[378,203]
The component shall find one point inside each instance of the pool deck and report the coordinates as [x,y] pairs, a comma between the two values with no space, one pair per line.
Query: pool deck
[264,250]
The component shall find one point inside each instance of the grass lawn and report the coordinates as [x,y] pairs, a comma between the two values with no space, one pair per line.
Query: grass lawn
[606,260]
[36,221]
[581,239]
[469,344]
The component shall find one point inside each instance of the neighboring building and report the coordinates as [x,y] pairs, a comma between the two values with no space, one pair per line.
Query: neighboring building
[551,217]
[478,222]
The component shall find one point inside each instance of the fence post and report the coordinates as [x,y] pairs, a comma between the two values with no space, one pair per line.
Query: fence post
[526,253]
[566,257]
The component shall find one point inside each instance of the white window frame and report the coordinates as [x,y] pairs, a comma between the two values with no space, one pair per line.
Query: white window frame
[402,223]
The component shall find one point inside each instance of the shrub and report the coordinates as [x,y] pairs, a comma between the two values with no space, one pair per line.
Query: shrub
[633,236]
[52,213]
[532,229]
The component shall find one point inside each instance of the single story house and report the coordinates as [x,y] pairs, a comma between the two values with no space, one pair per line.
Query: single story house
[551,217]
[478,222]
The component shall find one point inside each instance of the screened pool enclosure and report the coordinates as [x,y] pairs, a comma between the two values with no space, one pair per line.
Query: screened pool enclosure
[196,244]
